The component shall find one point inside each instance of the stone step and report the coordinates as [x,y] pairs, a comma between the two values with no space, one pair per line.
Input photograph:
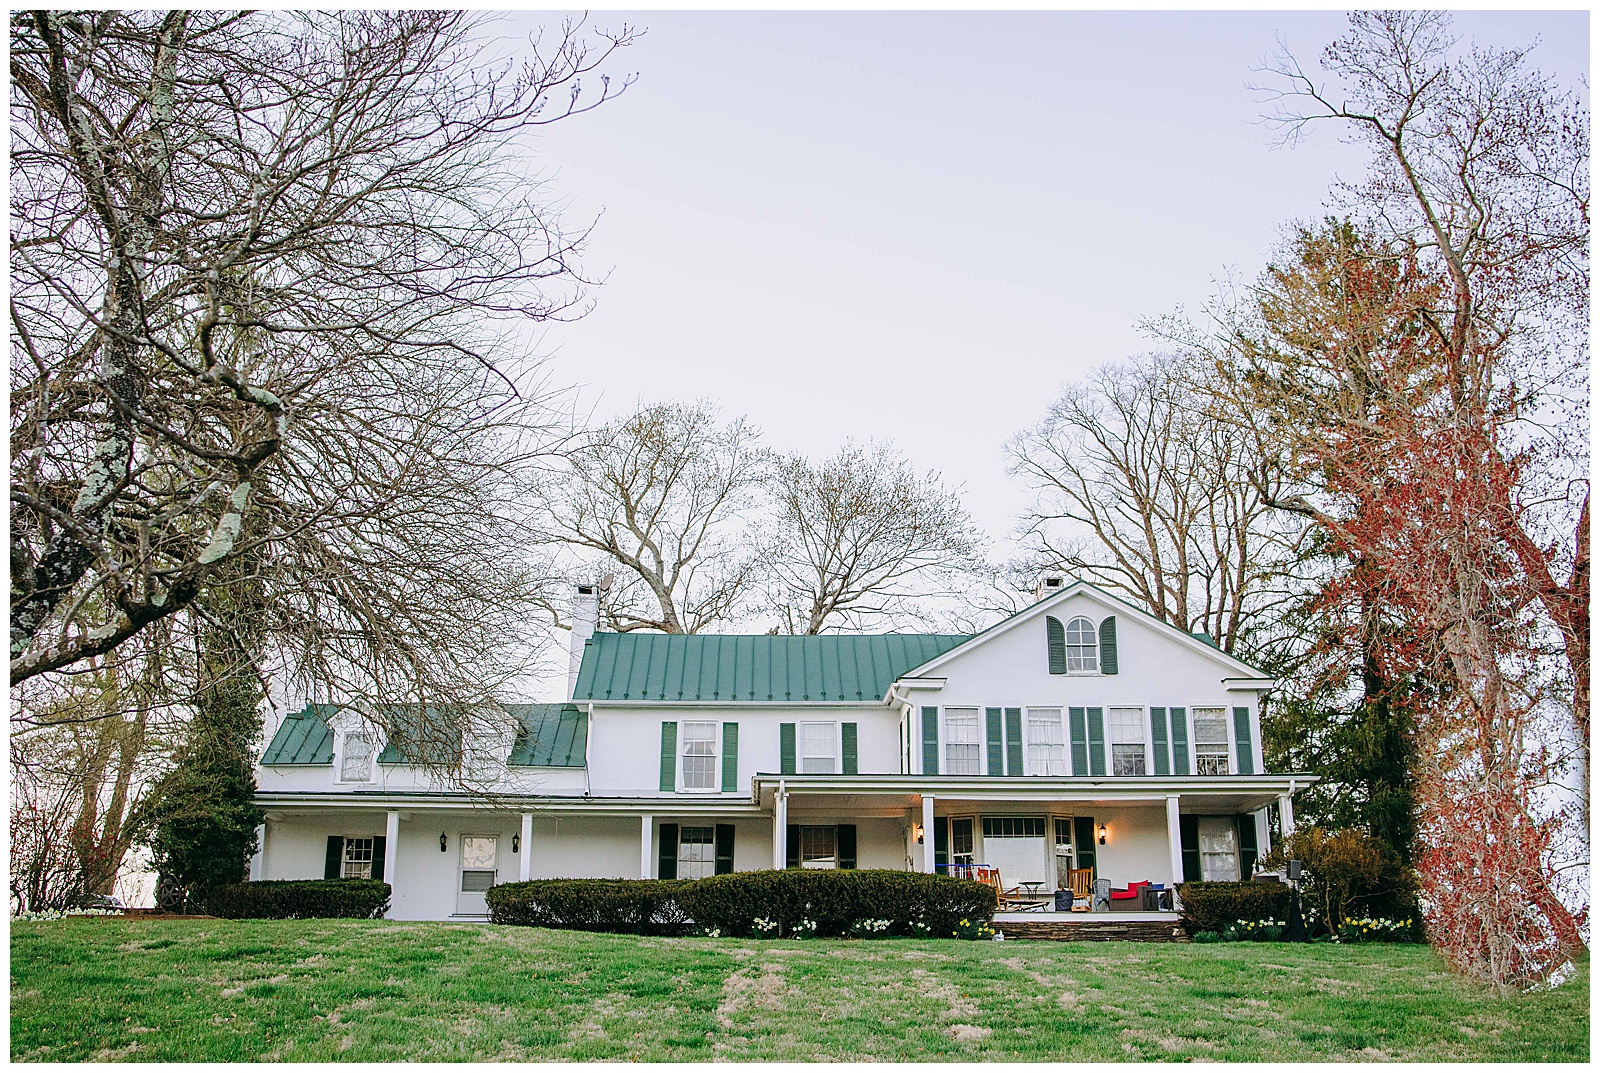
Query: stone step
[1150,931]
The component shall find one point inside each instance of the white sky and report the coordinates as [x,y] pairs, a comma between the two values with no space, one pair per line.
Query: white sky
[919,226]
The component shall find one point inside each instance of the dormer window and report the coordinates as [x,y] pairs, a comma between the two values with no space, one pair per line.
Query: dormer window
[356,765]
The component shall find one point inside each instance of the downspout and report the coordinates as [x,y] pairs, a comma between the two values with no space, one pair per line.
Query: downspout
[588,735]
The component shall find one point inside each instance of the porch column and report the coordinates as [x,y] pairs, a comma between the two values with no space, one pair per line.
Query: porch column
[1286,814]
[646,828]
[780,829]
[525,865]
[391,835]
[1175,839]
[258,860]
[927,833]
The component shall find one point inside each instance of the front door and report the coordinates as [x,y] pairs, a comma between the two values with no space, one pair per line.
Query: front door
[478,853]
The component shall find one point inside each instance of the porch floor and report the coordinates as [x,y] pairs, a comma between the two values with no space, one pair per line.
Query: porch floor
[1088,918]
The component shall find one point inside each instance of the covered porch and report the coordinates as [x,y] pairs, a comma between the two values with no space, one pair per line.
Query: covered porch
[1054,847]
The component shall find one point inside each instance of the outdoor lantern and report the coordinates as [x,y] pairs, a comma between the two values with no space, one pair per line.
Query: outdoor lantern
[443,842]
[918,830]
[1102,834]
[516,842]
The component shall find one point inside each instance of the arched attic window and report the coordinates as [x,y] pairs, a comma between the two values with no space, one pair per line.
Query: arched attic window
[1082,645]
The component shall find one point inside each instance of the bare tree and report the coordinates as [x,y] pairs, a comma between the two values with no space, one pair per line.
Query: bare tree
[1140,488]
[853,530]
[663,494]
[262,270]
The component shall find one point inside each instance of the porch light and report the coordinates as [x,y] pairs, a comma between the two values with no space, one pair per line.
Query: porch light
[516,842]
[1102,834]
[917,829]
[443,842]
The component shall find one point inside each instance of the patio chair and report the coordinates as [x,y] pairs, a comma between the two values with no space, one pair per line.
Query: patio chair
[1081,882]
[1130,893]
[1102,895]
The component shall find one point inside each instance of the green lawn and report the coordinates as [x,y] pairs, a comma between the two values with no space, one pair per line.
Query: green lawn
[215,990]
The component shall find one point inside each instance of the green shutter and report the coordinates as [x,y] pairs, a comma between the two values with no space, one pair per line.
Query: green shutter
[941,843]
[1080,747]
[1158,736]
[1108,646]
[334,863]
[380,851]
[930,740]
[786,749]
[845,840]
[1247,845]
[730,757]
[1097,741]
[1083,840]
[791,856]
[847,740]
[1241,733]
[1057,644]
[1013,741]
[997,749]
[724,849]
[1189,838]
[1180,741]
[667,852]
[669,757]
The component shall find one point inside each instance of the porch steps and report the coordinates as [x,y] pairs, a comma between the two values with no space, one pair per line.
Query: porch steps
[1061,931]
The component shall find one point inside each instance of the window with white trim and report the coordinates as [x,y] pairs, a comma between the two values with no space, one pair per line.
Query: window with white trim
[1219,849]
[1210,741]
[962,751]
[1127,741]
[697,855]
[357,859]
[1082,645]
[1047,750]
[819,748]
[817,847]
[699,756]
[356,764]
[961,840]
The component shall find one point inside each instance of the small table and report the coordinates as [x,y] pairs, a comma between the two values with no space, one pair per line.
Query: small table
[1033,888]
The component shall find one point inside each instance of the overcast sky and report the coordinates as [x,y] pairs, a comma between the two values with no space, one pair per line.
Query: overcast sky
[919,226]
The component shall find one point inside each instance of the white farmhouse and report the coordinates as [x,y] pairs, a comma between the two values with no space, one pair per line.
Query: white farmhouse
[1078,740]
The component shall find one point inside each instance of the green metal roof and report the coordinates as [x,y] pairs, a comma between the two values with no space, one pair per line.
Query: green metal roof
[401,720]
[671,667]
[304,737]
[548,735]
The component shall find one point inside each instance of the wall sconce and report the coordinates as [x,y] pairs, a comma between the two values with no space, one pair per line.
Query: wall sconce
[516,842]
[1102,834]
[917,830]
[443,842]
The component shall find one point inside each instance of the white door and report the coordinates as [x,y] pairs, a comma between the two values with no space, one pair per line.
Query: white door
[1016,846]
[478,854]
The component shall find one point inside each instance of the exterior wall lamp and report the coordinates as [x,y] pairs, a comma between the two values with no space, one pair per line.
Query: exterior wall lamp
[1102,834]
[917,830]
[516,842]
[443,842]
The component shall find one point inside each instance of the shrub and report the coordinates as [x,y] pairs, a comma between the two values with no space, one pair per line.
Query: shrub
[1217,906]
[298,899]
[631,906]
[1349,874]
[1206,937]
[775,903]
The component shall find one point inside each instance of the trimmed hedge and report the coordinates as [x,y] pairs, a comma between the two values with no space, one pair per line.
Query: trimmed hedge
[631,906]
[299,899]
[913,903]
[1213,906]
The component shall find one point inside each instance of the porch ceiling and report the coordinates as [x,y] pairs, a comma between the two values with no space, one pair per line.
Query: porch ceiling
[892,793]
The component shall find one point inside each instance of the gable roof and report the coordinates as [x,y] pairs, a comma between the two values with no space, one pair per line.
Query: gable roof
[1198,642]
[304,737]
[762,668]
[548,735]
[404,725]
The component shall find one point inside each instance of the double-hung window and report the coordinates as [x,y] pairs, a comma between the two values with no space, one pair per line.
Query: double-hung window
[1127,741]
[1210,741]
[1082,643]
[1047,751]
[696,852]
[817,847]
[1219,849]
[962,751]
[818,752]
[356,765]
[357,859]
[699,756]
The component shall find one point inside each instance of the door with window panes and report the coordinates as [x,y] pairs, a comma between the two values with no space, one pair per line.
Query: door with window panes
[478,873]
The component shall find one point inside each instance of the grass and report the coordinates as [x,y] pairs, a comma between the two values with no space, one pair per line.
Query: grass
[216,990]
